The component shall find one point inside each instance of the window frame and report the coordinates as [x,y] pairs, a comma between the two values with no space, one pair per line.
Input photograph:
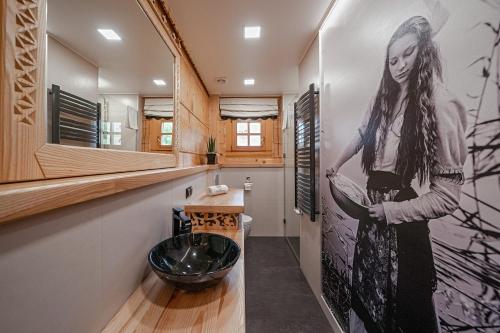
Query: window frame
[171,133]
[111,133]
[234,135]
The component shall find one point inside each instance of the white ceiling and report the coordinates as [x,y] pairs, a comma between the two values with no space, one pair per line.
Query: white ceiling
[126,66]
[212,31]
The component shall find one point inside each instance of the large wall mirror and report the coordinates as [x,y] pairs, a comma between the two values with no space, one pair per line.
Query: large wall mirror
[109,77]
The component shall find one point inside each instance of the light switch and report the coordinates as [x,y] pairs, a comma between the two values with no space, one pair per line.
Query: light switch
[189,191]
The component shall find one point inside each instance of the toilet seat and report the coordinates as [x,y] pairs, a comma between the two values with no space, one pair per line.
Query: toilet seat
[246,222]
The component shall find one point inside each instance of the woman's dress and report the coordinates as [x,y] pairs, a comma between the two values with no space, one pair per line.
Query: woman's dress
[393,276]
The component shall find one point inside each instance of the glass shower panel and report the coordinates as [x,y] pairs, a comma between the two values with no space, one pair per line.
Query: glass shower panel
[292,220]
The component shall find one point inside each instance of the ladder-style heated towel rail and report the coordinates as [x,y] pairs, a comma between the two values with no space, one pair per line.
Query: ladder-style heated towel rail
[306,152]
[74,118]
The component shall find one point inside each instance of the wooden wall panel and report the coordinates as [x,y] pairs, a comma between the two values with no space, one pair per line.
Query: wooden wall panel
[193,118]
[213,115]
[193,95]
[200,104]
[190,159]
[185,84]
[193,134]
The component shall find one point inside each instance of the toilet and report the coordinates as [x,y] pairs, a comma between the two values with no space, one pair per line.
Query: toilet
[247,224]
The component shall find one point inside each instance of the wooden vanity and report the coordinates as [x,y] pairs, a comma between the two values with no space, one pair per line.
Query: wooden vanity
[220,212]
[156,306]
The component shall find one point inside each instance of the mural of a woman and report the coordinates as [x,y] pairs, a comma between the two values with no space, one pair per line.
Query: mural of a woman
[414,128]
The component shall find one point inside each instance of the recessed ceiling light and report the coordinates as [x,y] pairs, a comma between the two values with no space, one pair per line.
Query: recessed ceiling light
[252,32]
[159,82]
[249,82]
[109,34]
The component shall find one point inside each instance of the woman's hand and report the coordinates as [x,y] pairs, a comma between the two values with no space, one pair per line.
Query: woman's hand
[377,212]
[331,172]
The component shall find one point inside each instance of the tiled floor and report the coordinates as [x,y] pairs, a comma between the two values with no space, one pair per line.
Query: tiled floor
[278,298]
[294,242]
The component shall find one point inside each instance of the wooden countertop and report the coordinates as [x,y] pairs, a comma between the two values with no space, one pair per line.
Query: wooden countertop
[158,307]
[231,202]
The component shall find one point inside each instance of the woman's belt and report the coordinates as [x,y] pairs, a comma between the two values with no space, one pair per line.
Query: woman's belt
[384,181]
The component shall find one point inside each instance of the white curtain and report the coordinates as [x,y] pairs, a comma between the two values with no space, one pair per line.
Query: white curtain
[159,107]
[248,108]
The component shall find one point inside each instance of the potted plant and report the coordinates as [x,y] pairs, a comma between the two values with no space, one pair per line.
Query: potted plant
[211,153]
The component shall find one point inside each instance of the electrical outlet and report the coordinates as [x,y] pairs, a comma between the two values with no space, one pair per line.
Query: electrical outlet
[189,191]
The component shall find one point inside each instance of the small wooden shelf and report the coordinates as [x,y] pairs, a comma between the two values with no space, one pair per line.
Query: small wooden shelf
[228,203]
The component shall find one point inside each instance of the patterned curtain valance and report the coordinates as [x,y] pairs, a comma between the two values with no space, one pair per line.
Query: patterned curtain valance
[248,108]
[159,107]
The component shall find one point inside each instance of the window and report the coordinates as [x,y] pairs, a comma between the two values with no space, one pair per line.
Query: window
[249,134]
[112,133]
[166,133]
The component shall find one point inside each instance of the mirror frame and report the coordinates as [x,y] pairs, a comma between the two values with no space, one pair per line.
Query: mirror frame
[24,153]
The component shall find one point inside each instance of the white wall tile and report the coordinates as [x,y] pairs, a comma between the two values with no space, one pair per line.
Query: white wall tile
[265,202]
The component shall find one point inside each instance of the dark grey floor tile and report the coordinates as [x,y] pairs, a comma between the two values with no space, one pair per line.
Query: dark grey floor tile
[268,251]
[291,280]
[295,244]
[278,298]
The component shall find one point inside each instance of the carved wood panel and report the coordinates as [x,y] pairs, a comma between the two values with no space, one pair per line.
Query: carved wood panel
[26,57]
[214,221]
[22,120]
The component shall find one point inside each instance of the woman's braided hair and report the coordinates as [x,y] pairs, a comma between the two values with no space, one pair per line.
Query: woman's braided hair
[417,147]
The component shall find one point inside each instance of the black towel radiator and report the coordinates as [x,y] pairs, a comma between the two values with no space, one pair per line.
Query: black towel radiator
[74,118]
[306,131]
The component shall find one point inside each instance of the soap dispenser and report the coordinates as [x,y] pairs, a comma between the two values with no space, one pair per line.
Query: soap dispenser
[247,185]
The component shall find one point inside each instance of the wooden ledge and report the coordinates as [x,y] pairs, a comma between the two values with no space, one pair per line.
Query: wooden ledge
[18,200]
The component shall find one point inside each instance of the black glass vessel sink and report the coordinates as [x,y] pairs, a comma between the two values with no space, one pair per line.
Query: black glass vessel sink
[194,261]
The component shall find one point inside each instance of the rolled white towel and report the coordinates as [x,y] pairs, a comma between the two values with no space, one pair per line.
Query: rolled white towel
[217,189]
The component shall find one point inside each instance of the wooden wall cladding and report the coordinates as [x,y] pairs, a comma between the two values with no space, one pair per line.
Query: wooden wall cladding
[192,94]
[193,118]
[190,159]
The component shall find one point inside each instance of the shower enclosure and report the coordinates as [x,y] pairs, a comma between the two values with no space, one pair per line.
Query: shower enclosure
[291,219]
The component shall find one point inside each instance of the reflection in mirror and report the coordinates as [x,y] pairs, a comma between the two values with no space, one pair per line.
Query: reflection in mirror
[110,77]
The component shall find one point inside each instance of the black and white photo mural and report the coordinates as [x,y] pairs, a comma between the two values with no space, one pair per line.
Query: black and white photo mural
[410,165]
